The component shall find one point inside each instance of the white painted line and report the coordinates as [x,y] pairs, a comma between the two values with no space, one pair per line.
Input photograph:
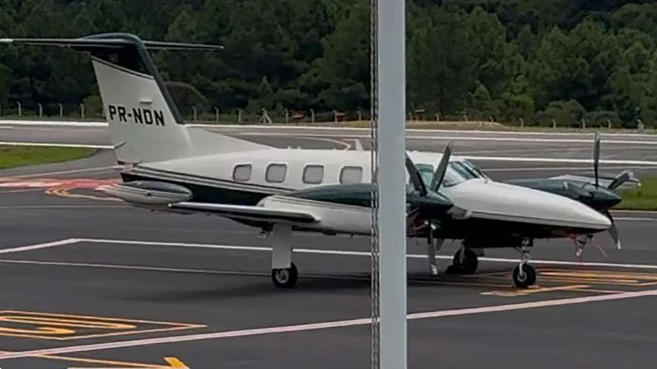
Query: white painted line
[556,160]
[45,207]
[325,325]
[14,122]
[456,138]
[327,276]
[133,267]
[355,253]
[636,219]
[650,212]
[315,128]
[554,169]
[55,144]
[39,246]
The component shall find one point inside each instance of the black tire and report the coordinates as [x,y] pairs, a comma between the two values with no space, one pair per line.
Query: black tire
[529,278]
[286,277]
[470,262]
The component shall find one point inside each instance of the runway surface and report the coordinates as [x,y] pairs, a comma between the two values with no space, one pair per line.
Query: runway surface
[503,154]
[90,282]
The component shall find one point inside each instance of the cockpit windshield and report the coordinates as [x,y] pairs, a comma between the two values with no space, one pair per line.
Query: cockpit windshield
[457,172]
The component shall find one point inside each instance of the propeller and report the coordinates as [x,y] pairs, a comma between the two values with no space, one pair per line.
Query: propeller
[439,174]
[624,176]
[596,159]
[416,177]
[418,183]
[615,183]
[420,186]
[613,231]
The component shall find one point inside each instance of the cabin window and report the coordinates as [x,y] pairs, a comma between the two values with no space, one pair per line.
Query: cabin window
[276,173]
[426,172]
[242,173]
[351,175]
[313,174]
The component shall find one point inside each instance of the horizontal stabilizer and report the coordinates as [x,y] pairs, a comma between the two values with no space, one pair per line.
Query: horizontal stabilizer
[253,213]
[108,40]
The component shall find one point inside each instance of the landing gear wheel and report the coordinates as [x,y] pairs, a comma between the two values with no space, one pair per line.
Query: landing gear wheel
[285,277]
[469,264]
[525,279]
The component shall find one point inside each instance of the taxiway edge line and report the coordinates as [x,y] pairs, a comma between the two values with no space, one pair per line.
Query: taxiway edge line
[358,253]
[39,246]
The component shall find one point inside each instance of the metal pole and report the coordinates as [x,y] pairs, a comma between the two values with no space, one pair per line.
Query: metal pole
[391,52]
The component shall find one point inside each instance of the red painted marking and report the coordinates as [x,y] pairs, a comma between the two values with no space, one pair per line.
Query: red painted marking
[66,184]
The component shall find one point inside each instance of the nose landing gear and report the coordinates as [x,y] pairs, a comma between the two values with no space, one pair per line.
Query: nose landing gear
[524,275]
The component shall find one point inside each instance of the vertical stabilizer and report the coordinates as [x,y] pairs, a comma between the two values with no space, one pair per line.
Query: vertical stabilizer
[142,124]
[143,120]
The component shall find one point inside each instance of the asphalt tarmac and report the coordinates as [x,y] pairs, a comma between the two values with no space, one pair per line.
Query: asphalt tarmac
[90,282]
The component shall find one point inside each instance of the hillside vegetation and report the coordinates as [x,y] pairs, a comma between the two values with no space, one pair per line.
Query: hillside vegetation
[535,60]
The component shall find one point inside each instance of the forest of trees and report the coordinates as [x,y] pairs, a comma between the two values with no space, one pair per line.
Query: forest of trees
[535,60]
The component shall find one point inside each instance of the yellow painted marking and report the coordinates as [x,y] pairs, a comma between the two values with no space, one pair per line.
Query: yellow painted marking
[604,275]
[65,322]
[20,191]
[175,363]
[601,277]
[118,364]
[599,291]
[618,282]
[69,327]
[60,192]
[528,291]
[647,284]
[40,330]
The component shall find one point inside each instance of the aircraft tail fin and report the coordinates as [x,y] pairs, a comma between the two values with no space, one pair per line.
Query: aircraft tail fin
[144,122]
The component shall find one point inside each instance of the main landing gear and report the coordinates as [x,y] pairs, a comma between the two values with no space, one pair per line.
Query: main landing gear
[284,273]
[465,261]
[524,275]
[285,277]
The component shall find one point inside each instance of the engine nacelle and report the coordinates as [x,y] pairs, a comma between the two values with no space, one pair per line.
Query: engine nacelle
[148,193]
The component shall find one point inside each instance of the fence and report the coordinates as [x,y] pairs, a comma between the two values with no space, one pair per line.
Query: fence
[62,111]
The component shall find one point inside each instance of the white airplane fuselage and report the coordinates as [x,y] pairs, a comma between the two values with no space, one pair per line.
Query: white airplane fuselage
[252,177]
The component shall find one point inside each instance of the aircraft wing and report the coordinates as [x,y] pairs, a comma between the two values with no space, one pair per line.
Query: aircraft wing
[164,195]
[622,180]
[250,213]
[605,180]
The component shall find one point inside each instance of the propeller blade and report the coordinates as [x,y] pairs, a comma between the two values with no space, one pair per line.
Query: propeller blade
[623,177]
[613,231]
[439,175]
[596,159]
[416,177]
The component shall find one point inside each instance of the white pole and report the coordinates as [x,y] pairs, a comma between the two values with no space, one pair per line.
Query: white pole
[392,181]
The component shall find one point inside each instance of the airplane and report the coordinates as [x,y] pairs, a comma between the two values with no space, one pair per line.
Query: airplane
[169,167]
